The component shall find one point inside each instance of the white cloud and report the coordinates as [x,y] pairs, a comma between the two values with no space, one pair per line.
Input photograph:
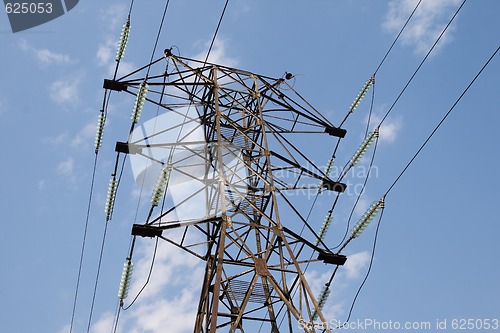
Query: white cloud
[105,52]
[355,264]
[124,68]
[169,300]
[106,58]
[354,268]
[66,167]
[389,129]
[104,324]
[362,206]
[114,16]
[65,91]
[426,24]
[86,134]
[218,54]
[46,57]
[41,185]
[58,139]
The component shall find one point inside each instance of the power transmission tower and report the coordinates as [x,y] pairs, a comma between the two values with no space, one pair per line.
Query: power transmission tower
[229,146]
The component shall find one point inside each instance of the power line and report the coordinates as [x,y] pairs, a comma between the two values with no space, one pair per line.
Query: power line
[216,32]
[158,35]
[101,253]
[211,44]
[84,240]
[441,122]
[130,8]
[381,62]
[422,62]
[397,37]
[367,272]
[359,195]
[104,112]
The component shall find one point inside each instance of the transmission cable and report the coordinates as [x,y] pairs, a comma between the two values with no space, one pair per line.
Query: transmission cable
[367,272]
[101,253]
[359,194]
[373,91]
[210,47]
[216,32]
[397,37]
[387,53]
[422,62]
[158,36]
[171,152]
[102,120]
[385,116]
[441,122]
[406,168]
[84,240]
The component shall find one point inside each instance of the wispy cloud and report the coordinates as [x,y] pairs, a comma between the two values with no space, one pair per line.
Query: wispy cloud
[46,57]
[170,298]
[362,206]
[218,54]
[105,56]
[84,135]
[352,271]
[114,15]
[66,167]
[104,52]
[65,91]
[389,129]
[426,24]
[41,184]
[356,263]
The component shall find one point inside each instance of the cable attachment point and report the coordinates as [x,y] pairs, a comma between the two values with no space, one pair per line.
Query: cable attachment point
[167,52]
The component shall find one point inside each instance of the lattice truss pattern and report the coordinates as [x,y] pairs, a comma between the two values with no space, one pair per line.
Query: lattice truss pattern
[230,146]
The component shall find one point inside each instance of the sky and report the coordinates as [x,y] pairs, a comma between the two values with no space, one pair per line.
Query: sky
[437,249]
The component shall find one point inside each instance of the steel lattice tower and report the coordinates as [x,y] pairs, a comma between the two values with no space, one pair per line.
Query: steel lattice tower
[238,146]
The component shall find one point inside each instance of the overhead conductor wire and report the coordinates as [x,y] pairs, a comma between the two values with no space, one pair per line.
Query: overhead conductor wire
[441,122]
[429,137]
[120,306]
[346,168]
[332,158]
[388,51]
[422,62]
[102,120]
[117,316]
[211,45]
[391,108]
[372,80]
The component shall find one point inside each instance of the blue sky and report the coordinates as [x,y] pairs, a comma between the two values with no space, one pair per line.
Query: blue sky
[437,250]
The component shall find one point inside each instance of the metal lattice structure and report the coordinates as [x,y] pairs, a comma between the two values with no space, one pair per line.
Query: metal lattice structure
[230,152]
